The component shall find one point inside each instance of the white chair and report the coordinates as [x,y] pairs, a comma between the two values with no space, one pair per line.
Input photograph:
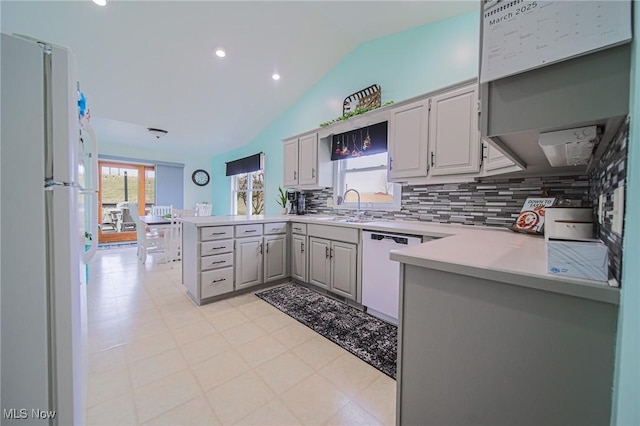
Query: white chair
[161,210]
[175,237]
[148,241]
[203,209]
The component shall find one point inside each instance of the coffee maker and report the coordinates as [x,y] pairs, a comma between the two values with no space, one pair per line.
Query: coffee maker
[296,202]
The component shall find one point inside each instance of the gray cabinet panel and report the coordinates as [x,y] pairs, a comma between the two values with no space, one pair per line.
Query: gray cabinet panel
[319,262]
[344,263]
[275,258]
[299,257]
[489,353]
[248,262]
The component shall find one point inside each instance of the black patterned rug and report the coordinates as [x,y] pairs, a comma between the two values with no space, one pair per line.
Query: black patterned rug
[370,339]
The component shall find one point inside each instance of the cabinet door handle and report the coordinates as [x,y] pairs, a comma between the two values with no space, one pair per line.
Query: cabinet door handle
[390,163]
[326,252]
[218,248]
[432,154]
[218,233]
[251,230]
[331,254]
[301,247]
[313,173]
[219,261]
[297,229]
[260,248]
[218,281]
[267,247]
[295,175]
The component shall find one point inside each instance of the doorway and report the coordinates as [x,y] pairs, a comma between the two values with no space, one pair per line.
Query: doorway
[122,183]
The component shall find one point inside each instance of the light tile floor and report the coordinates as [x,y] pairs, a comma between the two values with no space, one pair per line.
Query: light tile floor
[156,358]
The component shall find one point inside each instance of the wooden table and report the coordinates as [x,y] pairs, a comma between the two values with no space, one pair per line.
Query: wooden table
[155,221]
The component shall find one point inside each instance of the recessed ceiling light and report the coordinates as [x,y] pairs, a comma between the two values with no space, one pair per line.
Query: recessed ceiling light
[275,76]
[100,2]
[220,53]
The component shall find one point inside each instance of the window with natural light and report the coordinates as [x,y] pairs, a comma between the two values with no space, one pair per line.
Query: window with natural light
[247,193]
[368,176]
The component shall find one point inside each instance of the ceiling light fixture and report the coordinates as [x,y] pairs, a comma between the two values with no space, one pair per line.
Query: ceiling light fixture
[220,53]
[100,2]
[276,76]
[157,132]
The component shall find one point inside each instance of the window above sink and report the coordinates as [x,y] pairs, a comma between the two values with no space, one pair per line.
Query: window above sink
[367,175]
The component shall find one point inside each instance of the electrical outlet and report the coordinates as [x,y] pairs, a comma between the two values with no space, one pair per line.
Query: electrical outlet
[330,202]
[618,210]
[601,201]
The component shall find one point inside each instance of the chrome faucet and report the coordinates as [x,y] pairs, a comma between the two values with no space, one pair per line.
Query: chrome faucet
[344,198]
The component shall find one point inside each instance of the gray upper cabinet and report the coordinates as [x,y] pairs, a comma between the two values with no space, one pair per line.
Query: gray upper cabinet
[290,150]
[408,138]
[308,159]
[307,162]
[454,140]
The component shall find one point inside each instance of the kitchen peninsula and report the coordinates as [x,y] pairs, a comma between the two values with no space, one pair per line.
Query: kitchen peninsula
[487,336]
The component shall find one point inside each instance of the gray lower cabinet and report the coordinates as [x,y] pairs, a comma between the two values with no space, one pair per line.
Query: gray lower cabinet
[299,257]
[275,257]
[249,266]
[333,265]
[207,261]
[482,352]
[344,261]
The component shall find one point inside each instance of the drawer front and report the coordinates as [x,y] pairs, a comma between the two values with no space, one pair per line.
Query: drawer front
[337,233]
[275,228]
[217,261]
[299,228]
[216,247]
[209,233]
[213,283]
[248,230]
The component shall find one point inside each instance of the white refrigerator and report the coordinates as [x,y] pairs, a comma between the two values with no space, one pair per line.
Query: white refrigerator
[47,216]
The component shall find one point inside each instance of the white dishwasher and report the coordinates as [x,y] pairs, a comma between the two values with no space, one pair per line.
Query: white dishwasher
[380,275]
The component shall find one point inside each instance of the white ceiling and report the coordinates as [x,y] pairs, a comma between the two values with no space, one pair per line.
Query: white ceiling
[151,64]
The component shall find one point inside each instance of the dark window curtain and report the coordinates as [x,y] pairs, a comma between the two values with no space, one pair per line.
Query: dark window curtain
[244,165]
[357,143]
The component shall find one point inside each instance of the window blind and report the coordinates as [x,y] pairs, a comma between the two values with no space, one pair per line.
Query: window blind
[357,143]
[245,165]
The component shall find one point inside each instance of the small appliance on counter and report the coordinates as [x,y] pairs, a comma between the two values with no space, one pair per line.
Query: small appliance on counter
[573,223]
[297,202]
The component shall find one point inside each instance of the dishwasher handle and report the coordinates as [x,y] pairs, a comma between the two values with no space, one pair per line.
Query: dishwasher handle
[398,240]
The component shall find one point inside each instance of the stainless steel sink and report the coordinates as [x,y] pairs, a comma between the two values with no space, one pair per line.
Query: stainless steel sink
[344,219]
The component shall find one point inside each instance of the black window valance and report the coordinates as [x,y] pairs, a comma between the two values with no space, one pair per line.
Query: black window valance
[357,143]
[245,165]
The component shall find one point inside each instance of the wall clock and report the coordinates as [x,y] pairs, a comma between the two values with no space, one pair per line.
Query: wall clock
[200,177]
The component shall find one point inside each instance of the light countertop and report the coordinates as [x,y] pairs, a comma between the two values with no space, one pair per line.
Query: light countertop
[489,253]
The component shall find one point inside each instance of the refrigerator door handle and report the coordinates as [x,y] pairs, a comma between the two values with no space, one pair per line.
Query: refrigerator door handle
[48,113]
[92,192]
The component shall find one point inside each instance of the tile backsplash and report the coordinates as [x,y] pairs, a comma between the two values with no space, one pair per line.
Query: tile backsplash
[495,202]
[498,201]
[610,173]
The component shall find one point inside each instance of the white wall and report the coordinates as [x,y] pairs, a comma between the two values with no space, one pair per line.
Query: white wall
[192,193]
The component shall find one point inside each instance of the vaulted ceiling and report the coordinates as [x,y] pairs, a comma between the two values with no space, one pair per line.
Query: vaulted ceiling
[152,64]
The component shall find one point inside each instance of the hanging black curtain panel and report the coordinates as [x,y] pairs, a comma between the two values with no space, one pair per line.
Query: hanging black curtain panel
[357,143]
[244,165]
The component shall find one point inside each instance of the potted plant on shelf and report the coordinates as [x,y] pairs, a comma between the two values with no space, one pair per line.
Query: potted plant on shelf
[282,200]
